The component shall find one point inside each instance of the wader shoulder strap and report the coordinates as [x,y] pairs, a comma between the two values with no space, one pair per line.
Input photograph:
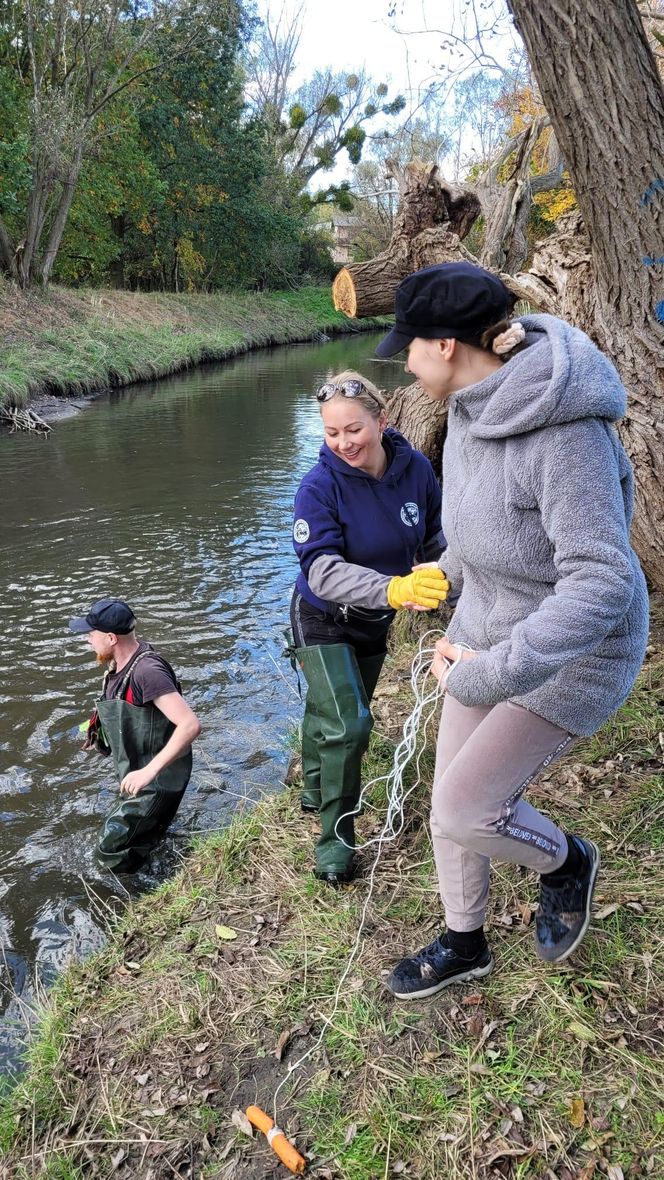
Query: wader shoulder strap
[130,672]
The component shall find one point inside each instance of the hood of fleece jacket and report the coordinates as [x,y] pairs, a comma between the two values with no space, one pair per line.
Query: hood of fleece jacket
[559,377]
[399,455]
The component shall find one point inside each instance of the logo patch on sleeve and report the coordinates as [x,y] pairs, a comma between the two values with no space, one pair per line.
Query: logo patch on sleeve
[410,514]
[301,531]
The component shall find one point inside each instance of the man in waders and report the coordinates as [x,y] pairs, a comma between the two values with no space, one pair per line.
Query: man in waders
[141,719]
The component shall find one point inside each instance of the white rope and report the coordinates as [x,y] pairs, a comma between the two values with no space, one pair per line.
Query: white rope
[426,702]
[394,819]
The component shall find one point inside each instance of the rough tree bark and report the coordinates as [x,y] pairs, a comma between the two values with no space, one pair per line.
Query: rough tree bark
[600,85]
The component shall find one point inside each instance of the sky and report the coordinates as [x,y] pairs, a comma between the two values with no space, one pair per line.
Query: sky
[351,34]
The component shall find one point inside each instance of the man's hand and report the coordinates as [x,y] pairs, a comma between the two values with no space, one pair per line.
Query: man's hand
[135,781]
[446,655]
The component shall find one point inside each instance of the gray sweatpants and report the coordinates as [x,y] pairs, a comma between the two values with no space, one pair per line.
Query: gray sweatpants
[485,760]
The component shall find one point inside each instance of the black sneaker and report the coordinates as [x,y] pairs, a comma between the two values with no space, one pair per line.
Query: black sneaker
[435,967]
[564,910]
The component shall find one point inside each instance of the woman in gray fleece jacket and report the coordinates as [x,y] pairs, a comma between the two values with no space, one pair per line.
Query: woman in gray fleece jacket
[551,624]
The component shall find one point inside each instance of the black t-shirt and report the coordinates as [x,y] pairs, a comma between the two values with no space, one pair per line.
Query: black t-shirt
[151,677]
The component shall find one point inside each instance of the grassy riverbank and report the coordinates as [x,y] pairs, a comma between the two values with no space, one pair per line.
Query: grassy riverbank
[72,342]
[211,988]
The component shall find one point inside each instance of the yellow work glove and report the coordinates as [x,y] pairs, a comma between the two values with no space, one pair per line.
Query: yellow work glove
[425,587]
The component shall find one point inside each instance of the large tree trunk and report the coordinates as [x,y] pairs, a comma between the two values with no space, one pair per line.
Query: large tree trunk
[42,179]
[600,85]
[423,421]
[432,217]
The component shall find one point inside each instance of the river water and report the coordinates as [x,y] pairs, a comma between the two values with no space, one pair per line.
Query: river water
[177,496]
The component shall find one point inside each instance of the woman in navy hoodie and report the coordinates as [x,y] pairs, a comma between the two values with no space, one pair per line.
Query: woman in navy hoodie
[366,516]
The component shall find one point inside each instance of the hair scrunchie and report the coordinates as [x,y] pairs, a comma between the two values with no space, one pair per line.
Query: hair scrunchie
[506,341]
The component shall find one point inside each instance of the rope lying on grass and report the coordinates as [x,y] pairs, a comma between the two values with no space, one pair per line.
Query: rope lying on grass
[426,701]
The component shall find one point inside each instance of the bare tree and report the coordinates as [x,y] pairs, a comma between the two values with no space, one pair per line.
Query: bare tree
[310,124]
[468,42]
[271,62]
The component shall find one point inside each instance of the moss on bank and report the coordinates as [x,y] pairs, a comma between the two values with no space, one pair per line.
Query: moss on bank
[71,342]
[538,1073]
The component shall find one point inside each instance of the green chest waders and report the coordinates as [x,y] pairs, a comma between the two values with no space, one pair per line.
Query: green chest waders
[336,726]
[135,734]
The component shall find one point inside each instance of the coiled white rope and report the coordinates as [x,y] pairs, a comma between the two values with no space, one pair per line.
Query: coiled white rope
[425,699]
[426,702]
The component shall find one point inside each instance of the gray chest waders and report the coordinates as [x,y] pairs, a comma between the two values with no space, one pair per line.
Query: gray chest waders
[336,726]
[132,828]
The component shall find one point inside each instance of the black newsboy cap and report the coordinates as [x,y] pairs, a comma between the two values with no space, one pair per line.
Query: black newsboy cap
[452,300]
[108,614]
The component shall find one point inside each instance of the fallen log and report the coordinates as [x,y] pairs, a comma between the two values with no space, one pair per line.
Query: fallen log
[433,217]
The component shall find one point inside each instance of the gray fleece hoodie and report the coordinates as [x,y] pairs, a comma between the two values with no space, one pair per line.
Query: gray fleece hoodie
[537,504]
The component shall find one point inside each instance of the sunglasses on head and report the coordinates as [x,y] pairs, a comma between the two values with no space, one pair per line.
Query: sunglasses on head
[350,388]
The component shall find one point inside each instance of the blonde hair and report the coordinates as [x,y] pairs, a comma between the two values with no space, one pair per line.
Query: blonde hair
[370,397]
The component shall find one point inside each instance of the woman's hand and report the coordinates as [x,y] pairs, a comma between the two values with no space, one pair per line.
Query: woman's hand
[426,587]
[446,654]
[422,565]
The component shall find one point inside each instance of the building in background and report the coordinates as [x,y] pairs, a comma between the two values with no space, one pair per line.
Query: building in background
[343,227]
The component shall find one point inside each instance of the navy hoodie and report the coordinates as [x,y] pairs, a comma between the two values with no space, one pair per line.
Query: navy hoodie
[385,525]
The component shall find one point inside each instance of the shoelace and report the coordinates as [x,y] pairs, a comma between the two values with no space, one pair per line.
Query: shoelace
[437,947]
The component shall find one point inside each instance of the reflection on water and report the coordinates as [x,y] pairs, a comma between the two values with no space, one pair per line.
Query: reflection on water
[176,496]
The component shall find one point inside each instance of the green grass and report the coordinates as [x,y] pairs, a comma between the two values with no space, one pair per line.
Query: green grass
[71,342]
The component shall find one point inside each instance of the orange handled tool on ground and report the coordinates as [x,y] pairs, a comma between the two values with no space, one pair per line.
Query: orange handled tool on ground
[277,1140]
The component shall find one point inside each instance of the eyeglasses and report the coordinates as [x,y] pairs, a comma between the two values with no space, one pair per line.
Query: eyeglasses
[350,388]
